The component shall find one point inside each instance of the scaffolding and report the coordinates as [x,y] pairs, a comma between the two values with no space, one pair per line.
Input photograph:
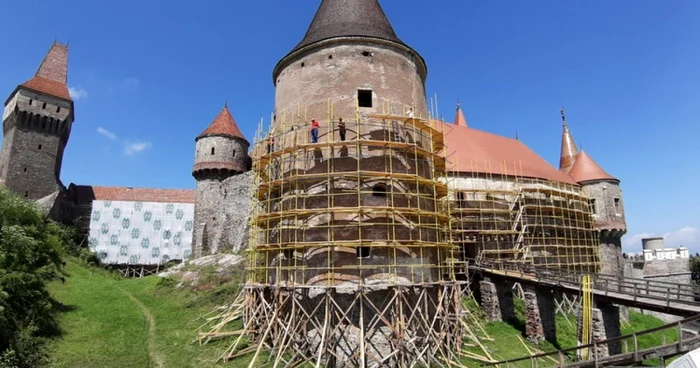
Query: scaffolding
[351,258]
[506,217]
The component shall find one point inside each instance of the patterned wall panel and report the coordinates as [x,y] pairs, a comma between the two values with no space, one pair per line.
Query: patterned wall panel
[141,233]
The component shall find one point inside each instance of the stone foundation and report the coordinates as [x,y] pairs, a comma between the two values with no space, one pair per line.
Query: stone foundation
[497,300]
[539,315]
[606,325]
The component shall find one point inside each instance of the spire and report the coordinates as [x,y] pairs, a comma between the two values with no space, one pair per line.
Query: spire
[568,146]
[517,138]
[343,18]
[223,125]
[459,117]
[585,169]
[52,76]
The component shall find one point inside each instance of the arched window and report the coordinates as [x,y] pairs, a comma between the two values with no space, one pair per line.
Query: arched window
[379,190]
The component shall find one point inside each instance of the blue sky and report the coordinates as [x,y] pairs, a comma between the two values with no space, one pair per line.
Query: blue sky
[148,76]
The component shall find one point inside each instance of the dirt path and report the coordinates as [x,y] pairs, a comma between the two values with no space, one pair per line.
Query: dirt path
[153,353]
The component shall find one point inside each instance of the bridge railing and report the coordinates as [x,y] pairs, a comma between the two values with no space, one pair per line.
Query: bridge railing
[593,350]
[637,288]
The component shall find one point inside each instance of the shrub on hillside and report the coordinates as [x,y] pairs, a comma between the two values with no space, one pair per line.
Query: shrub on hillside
[30,255]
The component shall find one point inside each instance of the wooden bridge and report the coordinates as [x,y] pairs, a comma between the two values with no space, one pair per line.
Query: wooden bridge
[585,356]
[652,295]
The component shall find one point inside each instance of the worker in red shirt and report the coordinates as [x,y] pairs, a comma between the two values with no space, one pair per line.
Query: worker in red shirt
[314,131]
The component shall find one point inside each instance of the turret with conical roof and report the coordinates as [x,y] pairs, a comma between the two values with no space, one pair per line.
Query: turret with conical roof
[221,152]
[605,196]
[459,117]
[568,146]
[351,57]
[37,123]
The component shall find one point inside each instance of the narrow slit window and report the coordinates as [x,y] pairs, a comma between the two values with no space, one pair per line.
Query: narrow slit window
[39,146]
[617,205]
[43,106]
[26,194]
[58,109]
[594,210]
[212,150]
[364,97]
[234,153]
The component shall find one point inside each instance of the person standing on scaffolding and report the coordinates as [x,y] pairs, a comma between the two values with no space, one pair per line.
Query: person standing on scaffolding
[314,131]
[270,143]
[341,129]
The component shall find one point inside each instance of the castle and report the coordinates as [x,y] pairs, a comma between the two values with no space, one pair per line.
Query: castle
[505,202]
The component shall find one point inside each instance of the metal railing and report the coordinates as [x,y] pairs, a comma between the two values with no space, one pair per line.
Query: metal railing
[666,292]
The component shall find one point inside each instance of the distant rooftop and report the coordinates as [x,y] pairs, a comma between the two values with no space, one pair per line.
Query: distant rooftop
[88,193]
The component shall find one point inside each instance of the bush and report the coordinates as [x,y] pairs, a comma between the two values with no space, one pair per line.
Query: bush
[30,255]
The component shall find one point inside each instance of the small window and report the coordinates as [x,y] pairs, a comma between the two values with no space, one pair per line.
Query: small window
[302,64]
[364,97]
[379,190]
[58,109]
[212,150]
[39,146]
[213,218]
[43,106]
[234,153]
[25,169]
[617,205]
[594,210]
[330,56]
[366,53]
[26,194]
[362,252]
[30,101]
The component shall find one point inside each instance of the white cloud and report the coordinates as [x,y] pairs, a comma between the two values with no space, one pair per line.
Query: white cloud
[106,133]
[131,148]
[688,236]
[77,93]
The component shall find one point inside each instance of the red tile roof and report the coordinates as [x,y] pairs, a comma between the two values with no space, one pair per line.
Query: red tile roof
[585,169]
[88,193]
[52,76]
[223,124]
[471,150]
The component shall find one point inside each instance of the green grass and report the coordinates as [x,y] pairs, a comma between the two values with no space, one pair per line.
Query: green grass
[106,322]
[109,321]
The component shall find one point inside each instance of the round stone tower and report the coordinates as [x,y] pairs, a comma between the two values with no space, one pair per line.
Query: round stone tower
[221,152]
[608,210]
[351,56]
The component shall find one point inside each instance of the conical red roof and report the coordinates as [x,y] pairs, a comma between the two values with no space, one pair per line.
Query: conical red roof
[223,124]
[52,76]
[585,169]
[459,118]
[569,151]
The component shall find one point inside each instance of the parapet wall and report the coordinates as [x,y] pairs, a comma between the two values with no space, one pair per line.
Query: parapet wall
[670,270]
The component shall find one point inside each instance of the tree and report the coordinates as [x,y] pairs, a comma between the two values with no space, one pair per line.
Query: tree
[31,246]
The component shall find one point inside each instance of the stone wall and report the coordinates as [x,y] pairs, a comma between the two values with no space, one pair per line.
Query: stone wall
[224,206]
[337,70]
[609,205]
[671,270]
[36,130]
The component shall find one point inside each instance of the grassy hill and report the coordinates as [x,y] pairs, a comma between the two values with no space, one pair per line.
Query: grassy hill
[109,321]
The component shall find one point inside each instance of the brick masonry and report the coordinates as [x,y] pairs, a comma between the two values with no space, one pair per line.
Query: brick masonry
[497,300]
[539,315]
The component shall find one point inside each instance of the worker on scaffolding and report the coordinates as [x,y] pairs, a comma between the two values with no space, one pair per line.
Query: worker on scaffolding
[314,130]
[270,143]
[341,129]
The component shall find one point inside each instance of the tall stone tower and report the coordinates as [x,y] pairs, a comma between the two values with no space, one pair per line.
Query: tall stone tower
[349,241]
[36,126]
[351,55]
[606,201]
[221,152]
